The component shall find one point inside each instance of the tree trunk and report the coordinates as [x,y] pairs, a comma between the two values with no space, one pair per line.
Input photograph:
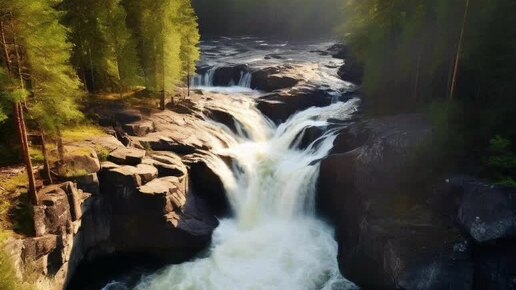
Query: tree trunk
[46,166]
[459,50]
[60,146]
[22,132]
[4,48]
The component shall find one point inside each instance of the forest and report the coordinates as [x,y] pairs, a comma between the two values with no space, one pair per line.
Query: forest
[273,144]
[455,59]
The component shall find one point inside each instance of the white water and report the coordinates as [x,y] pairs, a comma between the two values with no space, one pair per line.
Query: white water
[274,241]
[205,82]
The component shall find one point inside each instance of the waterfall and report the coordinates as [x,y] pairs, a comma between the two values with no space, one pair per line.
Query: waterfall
[274,241]
[245,80]
[206,82]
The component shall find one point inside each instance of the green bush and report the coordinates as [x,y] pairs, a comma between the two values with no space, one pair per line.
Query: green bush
[501,161]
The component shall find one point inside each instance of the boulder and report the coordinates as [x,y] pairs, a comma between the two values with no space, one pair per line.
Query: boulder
[141,128]
[127,156]
[487,212]
[352,71]
[146,172]
[167,163]
[274,78]
[280,106]
[79,161]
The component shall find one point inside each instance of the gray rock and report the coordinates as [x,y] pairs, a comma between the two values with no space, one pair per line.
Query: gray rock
[487,212]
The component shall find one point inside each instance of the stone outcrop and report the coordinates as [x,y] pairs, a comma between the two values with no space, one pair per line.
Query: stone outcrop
[401,225]
[56,221]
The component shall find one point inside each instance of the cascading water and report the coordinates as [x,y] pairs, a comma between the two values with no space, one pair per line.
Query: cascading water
[205,82]
[274,241]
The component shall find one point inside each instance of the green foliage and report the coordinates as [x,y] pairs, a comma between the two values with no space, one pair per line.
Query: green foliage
[409,48]
[501,161]
[167,37]
[50,79]
[105,50]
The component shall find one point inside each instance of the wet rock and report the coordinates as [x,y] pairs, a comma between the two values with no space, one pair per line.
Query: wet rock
[495,266]
[208,186]
[388,236]
[352,71]
[340,51]
[274,78]
[223,76]
[487,212]
[280,106]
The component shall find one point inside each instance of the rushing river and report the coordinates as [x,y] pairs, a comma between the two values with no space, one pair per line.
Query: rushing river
[274,239]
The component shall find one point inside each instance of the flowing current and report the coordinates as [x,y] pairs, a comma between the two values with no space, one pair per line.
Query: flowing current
[274,240]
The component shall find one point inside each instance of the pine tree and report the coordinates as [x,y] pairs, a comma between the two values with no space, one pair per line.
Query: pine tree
[37,54]
[156,24]
[190,38]
[104,49]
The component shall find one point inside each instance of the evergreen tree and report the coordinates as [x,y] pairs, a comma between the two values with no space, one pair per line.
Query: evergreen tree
[167,41]
[190,38]
[36,55]
[104,49]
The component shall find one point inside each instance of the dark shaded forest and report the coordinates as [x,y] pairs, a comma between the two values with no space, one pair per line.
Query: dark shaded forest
[454,59]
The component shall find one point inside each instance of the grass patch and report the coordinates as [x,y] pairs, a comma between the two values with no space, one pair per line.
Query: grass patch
[82,133]
[102,152]
[13,183]
[16,213]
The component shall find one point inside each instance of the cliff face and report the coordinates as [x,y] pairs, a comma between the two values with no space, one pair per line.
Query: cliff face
[402,225]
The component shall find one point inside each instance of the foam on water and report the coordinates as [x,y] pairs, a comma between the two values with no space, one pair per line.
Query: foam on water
[274,241]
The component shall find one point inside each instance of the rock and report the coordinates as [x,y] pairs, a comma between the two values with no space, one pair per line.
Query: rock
[167,163]
[87,183]
[340,51]
[487,212]
[222,117]
[79,161]
[118,181]
[128,116]
[280,106]
[53,215]
[223,76]
[495,266]
[352,71]
[146,172]
[388,236]
[127,156]
[273,78]
[35,248]
[208,186]
[141,128]
[273,83]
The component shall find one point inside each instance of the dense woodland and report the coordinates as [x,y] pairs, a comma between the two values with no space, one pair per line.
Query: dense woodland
[455,59]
